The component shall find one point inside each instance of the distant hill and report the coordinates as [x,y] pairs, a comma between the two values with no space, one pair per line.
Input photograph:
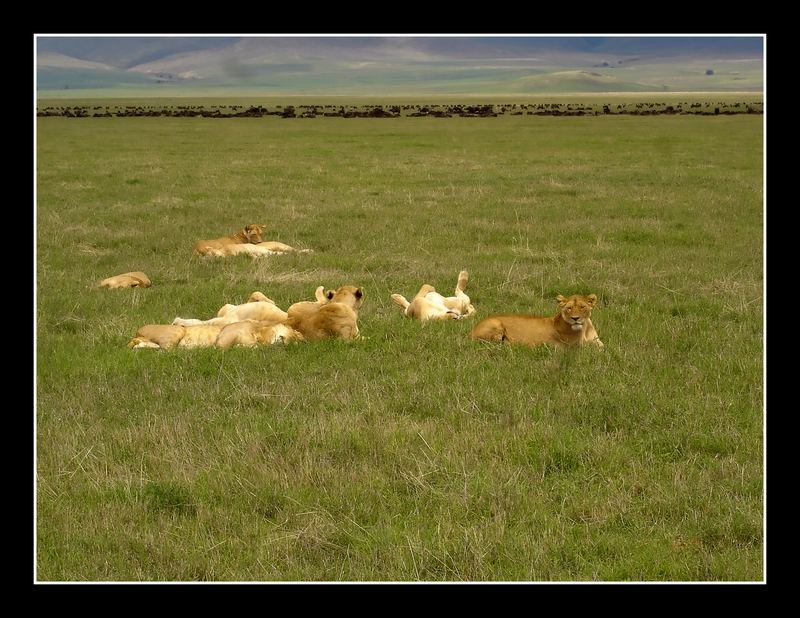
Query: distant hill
[370,65]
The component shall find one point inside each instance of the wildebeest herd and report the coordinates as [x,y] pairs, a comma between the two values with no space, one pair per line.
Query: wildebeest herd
[396,111]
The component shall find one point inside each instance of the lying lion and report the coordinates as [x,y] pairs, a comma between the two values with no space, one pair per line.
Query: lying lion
[134,279]
[251,333]
[258,307]
[428,304]
[334,314]
[268,247]
[250,234]
[572,325]
[248,333]
[166,336]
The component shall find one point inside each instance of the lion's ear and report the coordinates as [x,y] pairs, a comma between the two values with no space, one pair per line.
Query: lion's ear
[561,300]
[329,294]
[592,298]
[359,293]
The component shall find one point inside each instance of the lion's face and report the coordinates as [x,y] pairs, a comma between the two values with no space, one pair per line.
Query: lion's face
[576,309]
[348,295]
[253,232]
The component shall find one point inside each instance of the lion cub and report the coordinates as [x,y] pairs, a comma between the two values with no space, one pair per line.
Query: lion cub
[217,247]
[428,304]
[334,314]
[572,325]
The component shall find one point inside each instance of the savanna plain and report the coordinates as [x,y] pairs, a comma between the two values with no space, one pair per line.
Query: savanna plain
[414,453]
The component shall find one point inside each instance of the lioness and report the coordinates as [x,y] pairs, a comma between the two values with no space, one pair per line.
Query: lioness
[267,247]
[428,304]
[258,307]
[572,325]
[136,279]
[223,246]
[335,315]
[251,333]
[166,336]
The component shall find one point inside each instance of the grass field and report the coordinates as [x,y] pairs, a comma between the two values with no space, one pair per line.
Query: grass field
[415,454]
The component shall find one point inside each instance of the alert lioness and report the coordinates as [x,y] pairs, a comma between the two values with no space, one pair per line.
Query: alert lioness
[136,279]
[249,234]
[335,314]
[572,325]
[258,307]
[428,304]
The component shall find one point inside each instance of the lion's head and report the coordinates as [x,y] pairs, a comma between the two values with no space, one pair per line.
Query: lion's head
[253,232]
[348,295]
[576,309]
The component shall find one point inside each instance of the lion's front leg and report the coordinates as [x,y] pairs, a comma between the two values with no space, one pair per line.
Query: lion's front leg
[590,335]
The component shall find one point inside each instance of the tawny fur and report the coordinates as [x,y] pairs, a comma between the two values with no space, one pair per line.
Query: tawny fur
[251,333]
[305,306]
[135,279]
[428,304]
[572,325]
[335,314]
[166,336]
[258,307]
[225,245]
[268,247]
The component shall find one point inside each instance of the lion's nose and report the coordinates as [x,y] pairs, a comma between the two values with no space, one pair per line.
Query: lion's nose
[576,317]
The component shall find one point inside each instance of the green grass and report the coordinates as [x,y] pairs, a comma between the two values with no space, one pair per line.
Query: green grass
[416,453]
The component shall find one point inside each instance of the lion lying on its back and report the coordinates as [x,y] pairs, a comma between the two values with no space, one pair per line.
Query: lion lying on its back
[428,304]
[258,307]
[572,325]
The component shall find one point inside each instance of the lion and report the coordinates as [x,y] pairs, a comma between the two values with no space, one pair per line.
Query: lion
[135,279]
[258,307]
[334,314]
[572,325]
[216,247]
[267,247]
[166,336]
[428,304]
[251,333]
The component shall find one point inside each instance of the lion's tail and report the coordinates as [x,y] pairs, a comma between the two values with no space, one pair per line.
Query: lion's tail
[463,276]
[400,300]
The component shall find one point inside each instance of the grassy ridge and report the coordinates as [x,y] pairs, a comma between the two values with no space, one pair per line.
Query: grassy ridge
[415,454]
